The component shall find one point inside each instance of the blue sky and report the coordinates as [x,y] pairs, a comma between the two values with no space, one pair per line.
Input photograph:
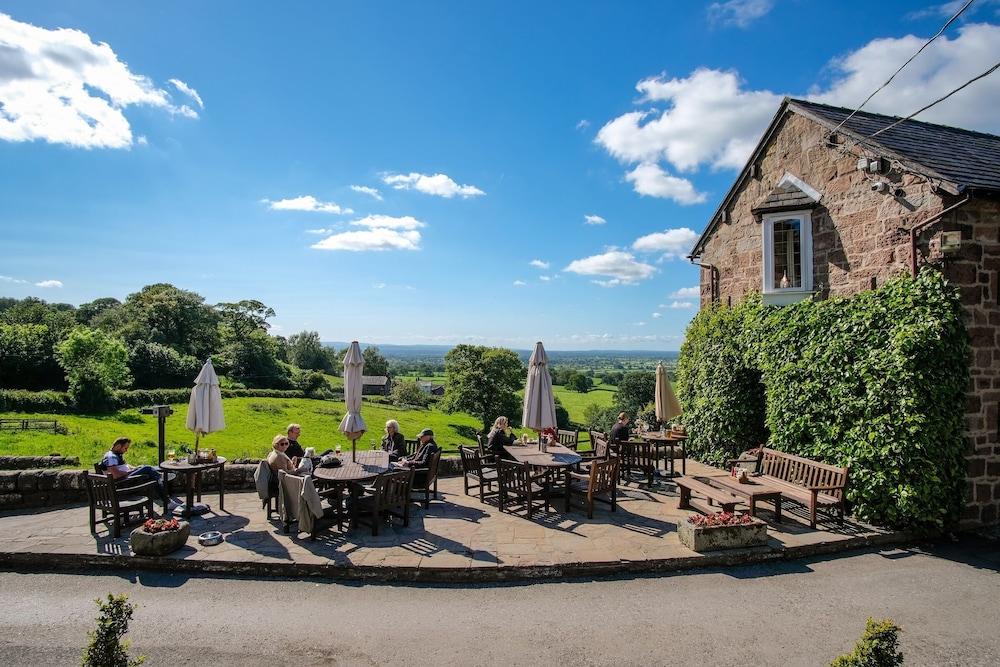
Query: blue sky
[215,145]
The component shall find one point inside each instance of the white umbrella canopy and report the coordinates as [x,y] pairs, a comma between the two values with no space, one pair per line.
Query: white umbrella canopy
[539,401]
[352,425]
[205,408]
[667,405]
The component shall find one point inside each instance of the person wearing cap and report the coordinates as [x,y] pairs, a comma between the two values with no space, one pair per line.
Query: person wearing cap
[426,448]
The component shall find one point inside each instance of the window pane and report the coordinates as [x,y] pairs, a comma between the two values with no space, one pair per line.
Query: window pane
[787,254]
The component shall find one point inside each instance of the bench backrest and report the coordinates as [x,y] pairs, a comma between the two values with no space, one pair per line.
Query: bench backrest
[801,471]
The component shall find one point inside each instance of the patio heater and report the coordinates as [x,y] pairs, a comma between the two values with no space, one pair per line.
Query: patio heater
[161,412]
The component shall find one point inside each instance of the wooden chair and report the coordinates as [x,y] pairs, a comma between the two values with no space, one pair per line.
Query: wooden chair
[411,446]
[601,479]
[425,479]
[102,490]
[390,497]
[483,477]
[568,439]
[637,457]
[600,452]
[519,486]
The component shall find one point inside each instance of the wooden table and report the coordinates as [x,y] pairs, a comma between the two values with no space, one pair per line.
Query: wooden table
[350,475]
[192,473]
[555,459]
[752,491]
[667,439]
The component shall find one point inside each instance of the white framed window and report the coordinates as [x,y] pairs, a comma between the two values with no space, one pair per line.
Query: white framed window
[788,265]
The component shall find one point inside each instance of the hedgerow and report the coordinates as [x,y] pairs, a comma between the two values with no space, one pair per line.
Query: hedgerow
[876,381]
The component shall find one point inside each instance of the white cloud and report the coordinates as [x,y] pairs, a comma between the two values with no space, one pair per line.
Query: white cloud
[672,243]
[657,316]
[321,231]
[142,140]
[16,281]
[545,279]
[306,203]
[49,283]
[188,90]
[519,283]
[439,185]
[593,220]
[389,222]
[378,285]
[371,240]
[371,192]
[638,324]
[739,13]
[681,304]
[621,266]
[948,9]
[539,264]
[583,124]
[650,179]
[686,293]
[59,86]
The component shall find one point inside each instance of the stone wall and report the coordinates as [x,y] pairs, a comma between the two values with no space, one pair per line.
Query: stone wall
[26,462]
[860,240]
[22,489]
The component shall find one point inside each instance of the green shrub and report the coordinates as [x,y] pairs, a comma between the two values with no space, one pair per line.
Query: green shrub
[635,390]
[96,365]
[19,400]
[599,418]
[876,381]
[878,647]
[106,647]
[408,392]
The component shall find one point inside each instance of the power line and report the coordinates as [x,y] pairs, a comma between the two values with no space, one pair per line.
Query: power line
[937,101]
[909,60]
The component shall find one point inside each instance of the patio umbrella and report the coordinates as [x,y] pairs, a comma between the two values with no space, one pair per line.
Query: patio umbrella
[667,405]
[352,425]
[539,401]
[205,408]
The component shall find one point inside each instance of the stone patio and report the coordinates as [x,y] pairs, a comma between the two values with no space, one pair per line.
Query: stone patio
[456,539]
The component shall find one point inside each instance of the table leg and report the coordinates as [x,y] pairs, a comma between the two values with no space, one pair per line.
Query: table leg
[222,488]
[753,506]
[189,479]
[672,469]
[566,482]
[685,501]
[777,509]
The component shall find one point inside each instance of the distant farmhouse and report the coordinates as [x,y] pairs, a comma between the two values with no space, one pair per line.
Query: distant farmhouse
[376,384]
[822,209]
[430,388]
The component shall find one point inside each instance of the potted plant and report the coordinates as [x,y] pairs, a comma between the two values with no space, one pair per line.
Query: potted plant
[159,537]
[722,530]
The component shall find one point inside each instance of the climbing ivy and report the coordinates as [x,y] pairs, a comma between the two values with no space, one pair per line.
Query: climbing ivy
[876,381]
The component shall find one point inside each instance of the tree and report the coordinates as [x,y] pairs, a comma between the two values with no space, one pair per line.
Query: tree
[88,312]
[96,365]
[306,351]
[635,390]
[177,318]
[240,318]
[106,647]
[27,357]
[483,381]
[579,382]
[409,392]
[562,415]
[375,363]
[155,366]
[253,361]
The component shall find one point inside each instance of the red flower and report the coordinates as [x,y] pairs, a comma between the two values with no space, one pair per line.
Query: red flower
[160,525]
[720,519]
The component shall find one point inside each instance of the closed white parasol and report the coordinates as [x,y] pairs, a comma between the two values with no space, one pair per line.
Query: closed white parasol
[205,408]
[539,401]
[352,425]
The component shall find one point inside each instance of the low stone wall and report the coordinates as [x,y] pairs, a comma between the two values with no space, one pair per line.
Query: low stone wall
[23,489]
[29,462]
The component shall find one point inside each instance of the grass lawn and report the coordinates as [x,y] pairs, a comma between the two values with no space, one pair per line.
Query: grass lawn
[576,402]
[251,423]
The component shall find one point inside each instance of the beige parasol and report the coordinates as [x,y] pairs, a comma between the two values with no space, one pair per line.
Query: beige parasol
[667,405]
[539,401]
[352,425]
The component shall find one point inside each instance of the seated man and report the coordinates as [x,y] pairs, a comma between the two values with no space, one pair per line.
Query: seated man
[114,465]
[427,448]
[619,432]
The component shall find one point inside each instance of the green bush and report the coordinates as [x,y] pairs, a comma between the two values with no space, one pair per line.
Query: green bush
[96,365]
[157,366]
[408,392]
[20,400]
[876,381]
[106,647]
[599,418]
[635,390]
[878,647]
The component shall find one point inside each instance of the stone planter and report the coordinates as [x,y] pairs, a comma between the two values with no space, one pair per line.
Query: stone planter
[159,544]
[700,538]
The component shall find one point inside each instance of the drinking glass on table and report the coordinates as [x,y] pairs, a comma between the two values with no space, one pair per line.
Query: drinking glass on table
[337,449]
[171,455]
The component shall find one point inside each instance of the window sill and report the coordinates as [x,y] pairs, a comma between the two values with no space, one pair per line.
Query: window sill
[786,297]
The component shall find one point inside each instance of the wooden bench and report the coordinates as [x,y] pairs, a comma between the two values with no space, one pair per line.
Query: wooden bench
[809,483]
[726,500]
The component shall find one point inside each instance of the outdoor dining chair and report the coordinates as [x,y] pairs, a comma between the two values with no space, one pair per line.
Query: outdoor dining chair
[411,446]
[569,439]
[637,457]
[477,474]
[425,479]
[600,452]
[105,496]
[519,486]
[390,497]
[601,479]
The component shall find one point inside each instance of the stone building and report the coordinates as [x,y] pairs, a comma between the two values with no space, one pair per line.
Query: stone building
[831,205]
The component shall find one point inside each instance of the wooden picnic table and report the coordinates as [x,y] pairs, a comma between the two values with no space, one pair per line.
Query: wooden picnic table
[557,458]
[351,475]
[192,473]
[669,440]
[752,491]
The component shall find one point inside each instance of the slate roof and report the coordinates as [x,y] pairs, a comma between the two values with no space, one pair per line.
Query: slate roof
[964,158]
[376,380]
[785,197]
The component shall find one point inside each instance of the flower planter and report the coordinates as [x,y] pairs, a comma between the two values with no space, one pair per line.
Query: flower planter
[159,544]
[712,538]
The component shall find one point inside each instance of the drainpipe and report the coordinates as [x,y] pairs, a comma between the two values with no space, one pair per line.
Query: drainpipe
[713,278]
[916,229]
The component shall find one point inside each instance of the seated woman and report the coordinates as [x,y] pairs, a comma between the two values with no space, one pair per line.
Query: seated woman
[393,441]
[500,436]
[277,459]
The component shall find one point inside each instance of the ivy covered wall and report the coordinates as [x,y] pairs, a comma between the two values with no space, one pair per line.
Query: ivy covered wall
[876,381]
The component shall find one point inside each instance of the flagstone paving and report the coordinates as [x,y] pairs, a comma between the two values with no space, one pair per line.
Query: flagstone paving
[456,532]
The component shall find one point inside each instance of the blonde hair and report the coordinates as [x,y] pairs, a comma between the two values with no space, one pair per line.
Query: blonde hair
[278,439]
[293,426]
[622,415]
[393,423]
[500,423]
